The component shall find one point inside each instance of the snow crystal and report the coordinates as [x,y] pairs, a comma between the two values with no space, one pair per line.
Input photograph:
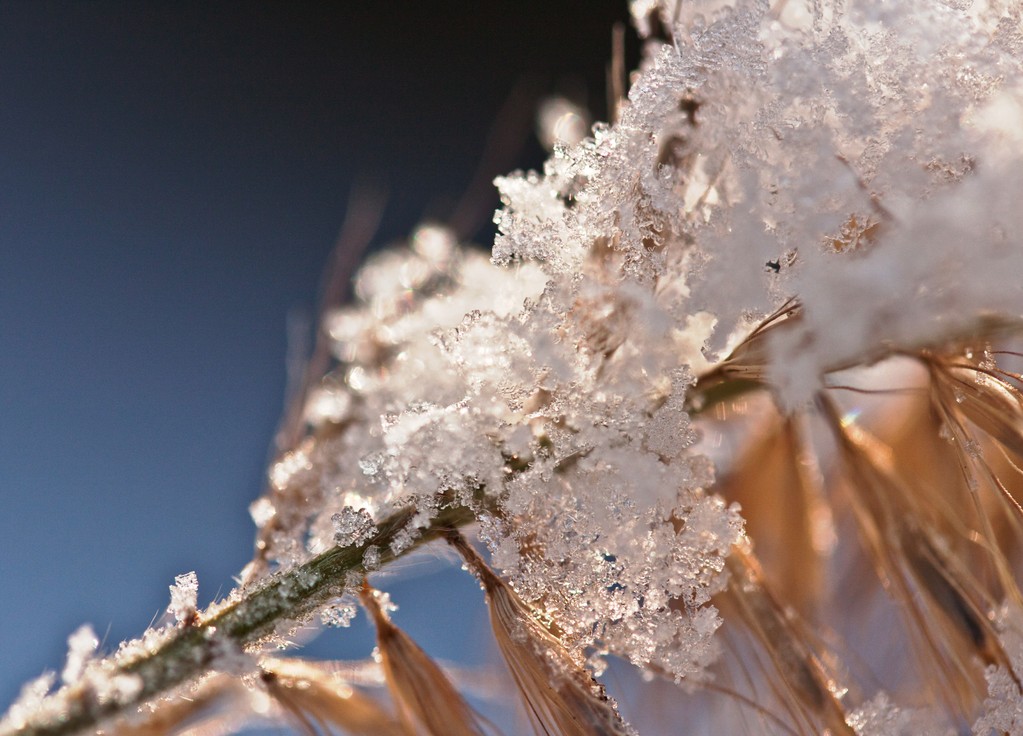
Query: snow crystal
[371,558]
[290,467]
[436,244]
[339,615]
[118,687]
[1003,707]
[880,717]
[228,657]
[1003,713]
[352,526]
[404,539]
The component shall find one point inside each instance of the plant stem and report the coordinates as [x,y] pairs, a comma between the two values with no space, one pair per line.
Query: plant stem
[194,650]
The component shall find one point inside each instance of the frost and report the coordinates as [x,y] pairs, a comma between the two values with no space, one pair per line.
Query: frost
[29,702]
[228,657]
[289,468]
[436,244]
[854,169]
[1003,707]
[262,511]
[328,404]
[403,540]
[81,648]
[118,687]
[183,597]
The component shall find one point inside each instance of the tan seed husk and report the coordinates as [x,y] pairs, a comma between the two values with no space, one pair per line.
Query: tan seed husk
[560,696]
[427,700]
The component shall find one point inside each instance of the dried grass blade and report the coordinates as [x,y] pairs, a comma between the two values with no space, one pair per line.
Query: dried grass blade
[425,696]
[561,697]
[218,705]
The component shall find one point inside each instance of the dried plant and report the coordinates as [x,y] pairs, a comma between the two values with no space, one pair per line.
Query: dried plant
[735,401]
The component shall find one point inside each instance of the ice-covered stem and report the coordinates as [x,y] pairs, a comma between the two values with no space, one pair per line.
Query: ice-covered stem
[290,596]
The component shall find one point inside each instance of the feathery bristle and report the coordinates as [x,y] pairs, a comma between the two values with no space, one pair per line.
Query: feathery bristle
[750,357]
[560,695]
[946,608]
[320,703]
[207,710]
[964,394]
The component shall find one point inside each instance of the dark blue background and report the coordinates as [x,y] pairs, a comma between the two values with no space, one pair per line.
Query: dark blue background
[172,178]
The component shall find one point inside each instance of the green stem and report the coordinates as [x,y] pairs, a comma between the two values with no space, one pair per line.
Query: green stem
[290,596]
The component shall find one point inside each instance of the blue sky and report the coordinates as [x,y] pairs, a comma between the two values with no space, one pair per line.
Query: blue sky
[172,177]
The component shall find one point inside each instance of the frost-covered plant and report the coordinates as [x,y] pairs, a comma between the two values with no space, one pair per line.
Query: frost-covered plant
[732,401]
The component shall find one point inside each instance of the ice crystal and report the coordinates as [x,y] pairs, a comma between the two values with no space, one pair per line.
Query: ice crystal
[352,526]
[561,122]
[328,404]
[339,615]
[184,594]
[371,558]
[262,511]
[229,658]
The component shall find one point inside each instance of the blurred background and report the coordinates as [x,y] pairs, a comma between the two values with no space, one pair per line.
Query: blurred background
[172,179]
